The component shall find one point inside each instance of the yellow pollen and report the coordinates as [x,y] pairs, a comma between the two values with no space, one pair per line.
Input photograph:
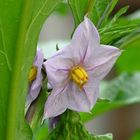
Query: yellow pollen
[79,76]
[32,74]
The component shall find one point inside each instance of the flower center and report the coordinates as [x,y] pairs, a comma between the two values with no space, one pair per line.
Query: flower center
[32,74]
[79,76]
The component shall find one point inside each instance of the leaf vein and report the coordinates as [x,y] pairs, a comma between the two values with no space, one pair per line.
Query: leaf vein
[4,52]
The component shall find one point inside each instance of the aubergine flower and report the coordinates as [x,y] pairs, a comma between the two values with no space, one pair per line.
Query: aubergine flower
[75,71]
[35,78]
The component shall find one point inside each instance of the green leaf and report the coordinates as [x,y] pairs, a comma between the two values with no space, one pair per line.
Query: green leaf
[79,9]
[62,9]
[9,24]
[119,30]
[20,25]
[118,14]
[117,33]
[96,9]
[41,131]
[103,137]
[129,60]
[36,118]
[106,12]
[136,135]
[124,90]
[70,127]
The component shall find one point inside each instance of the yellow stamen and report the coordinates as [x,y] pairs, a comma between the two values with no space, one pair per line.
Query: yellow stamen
[79,76]
[32,74]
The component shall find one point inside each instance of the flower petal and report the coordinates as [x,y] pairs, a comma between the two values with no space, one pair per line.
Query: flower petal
[78,100]
[91,89]
[85,38]
[56,103]
[85,32]
[35,86]
[103,61]
[39,59]
[32,96]
[58,67]
[84,50]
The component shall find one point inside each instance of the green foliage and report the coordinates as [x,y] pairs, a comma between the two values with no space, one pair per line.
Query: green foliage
[119,30]
[136,135]
[107,12]
[111,30]
[97,10]
[111,35]
[9,28]
[70,127]
[20,25]
[79,9]
[6,62]
[103,137]
[62,9]
[124,90]
[129,60]
[101,10]
[118,14]
[40,131]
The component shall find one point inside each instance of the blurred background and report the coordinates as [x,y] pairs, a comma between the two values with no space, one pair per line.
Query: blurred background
[122,122]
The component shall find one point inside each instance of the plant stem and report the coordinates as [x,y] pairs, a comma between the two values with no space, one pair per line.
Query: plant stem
[18,87]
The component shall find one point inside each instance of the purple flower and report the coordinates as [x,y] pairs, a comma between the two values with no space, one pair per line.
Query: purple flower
[35,78]
[75,71]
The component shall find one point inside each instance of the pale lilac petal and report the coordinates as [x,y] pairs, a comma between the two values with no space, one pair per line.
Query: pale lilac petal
[104,60]
[56,103]
[39,59]
[78,100]
[101,54]
[85,40]
[85,32]
[32,96]
[35,86]
[58,67]
[91,89]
